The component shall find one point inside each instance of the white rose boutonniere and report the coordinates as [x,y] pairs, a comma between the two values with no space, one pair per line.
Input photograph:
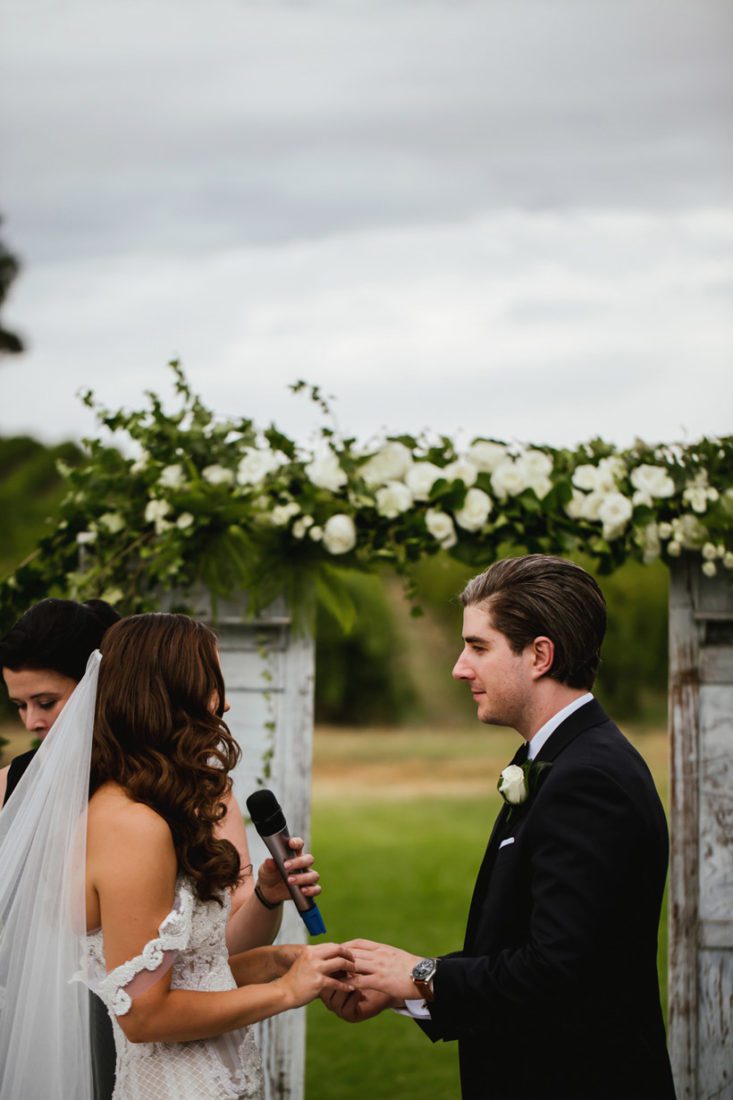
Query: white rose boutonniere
[518,783]
[513,786]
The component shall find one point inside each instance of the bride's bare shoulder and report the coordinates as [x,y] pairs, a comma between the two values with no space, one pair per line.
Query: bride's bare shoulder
[113,813]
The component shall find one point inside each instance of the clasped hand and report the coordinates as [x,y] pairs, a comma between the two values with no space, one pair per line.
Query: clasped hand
[380,979]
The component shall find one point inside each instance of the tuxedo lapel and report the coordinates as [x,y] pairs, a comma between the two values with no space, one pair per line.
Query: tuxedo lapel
[492,848]
[590,714]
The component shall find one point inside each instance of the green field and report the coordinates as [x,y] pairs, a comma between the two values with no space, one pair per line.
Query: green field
[398,847]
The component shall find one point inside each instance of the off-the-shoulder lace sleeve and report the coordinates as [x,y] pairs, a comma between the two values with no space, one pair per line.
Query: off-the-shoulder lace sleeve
[118,988]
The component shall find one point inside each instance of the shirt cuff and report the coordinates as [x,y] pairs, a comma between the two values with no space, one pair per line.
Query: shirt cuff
[416,1010]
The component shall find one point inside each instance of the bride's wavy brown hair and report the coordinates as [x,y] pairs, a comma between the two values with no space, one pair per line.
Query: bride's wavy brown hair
[156,735]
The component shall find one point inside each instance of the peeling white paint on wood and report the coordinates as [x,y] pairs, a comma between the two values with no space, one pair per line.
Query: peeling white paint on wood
[248,649]
[701,875]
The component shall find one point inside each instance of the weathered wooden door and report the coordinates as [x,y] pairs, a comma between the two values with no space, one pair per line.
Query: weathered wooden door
[269,675]
[701,878]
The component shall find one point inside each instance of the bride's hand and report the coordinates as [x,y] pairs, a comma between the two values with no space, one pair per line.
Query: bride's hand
[300,872]
[317,969]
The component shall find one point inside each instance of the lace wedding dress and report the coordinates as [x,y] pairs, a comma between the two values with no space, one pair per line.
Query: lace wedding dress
[191,943]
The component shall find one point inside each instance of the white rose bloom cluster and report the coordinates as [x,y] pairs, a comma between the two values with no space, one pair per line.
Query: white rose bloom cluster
[441,527]
[256,463]
[218,475]
[339,534]
[172,477]
[325,472]
[601,478]
[529,470]
[475,510]
[282,514]
[486,456]
[421,477]
[393,499]
[652,482]
[698,493]
[155,513]
[391,463]
[461,470]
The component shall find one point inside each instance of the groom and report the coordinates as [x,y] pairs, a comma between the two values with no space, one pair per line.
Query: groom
[555,994]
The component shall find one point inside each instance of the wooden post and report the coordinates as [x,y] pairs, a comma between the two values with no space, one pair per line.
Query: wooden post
[701,875]
[268,670]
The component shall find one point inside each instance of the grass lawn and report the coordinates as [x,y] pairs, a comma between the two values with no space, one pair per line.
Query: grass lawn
[398,846]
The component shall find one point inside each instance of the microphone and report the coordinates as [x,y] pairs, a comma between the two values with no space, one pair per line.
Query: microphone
[269,821]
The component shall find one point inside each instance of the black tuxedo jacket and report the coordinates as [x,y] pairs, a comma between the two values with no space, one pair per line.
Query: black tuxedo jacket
[555,994]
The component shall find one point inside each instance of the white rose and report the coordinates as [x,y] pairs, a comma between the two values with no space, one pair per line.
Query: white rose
[86,538]
[326,473]
[535,464]
[641,499]
[393,499]
[184,520]
[486,456]
[674,548]
[389,464]
[440,525]
[713,494]
[172,477]
[728,559]
[574,507]
[315,533]
[155,512]
[653,480]
[615,513]
[665,530]
[709,551]
[339,534]
[709,568]
[689,531]
[461,470]
[421,477]
[592,506]
[217,475]
[508,479]
[697,498]
[300,527]
[283,513]
[586,477]
[156,509]
[113,521]
[475,511]
[257,463]
[513,786]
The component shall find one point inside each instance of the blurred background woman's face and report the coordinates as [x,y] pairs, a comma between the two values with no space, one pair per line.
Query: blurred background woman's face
[39,694]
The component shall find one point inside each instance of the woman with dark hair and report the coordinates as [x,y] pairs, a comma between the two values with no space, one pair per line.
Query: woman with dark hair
[129,850]
[43,658]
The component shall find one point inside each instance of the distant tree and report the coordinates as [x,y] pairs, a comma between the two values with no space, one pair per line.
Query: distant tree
[10,343]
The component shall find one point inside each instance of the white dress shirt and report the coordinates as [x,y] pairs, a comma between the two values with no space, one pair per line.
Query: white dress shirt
[419,1009]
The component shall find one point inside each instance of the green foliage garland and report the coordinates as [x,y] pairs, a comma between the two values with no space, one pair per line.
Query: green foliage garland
[218,502]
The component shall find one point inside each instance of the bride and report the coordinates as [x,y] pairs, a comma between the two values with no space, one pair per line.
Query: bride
[112,858]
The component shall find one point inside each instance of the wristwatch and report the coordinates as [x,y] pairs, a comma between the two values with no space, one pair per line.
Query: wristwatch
[422,975]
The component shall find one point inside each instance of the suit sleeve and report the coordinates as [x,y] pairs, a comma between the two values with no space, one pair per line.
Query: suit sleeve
[582,840]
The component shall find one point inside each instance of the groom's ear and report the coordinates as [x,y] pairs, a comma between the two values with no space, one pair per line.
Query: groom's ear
[542,656]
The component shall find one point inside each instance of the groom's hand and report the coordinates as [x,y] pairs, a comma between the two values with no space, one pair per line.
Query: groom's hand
[384,969]
[356,1007]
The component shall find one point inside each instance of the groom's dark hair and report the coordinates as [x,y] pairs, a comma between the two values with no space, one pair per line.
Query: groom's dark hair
[538,595]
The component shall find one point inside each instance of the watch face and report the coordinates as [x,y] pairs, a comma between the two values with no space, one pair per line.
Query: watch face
[423,971]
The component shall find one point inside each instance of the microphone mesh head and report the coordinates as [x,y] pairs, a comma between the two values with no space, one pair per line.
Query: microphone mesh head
[267,816]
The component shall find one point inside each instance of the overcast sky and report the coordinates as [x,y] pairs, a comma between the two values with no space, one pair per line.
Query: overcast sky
[511,217]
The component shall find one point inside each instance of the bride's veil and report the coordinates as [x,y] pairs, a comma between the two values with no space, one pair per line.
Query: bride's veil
[44,1015]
